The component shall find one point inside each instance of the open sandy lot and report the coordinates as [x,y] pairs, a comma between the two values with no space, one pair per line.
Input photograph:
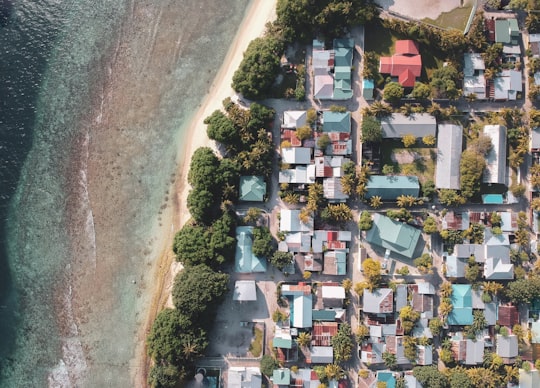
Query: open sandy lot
[419,9]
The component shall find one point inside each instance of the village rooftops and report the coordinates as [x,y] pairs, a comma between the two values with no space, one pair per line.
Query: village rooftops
[380,301]
[294,118]
[462,305]
[417,124]
[336,121]
[252,188]
[406,63]
[290,222]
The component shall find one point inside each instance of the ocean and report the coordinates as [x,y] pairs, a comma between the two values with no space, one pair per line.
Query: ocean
[95,99]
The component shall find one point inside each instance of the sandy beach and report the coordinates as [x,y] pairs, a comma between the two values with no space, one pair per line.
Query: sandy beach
[259,13]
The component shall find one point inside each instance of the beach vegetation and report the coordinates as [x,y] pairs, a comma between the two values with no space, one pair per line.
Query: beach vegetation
[165,375]
[221,128]
[259,68]
[191,245]
[201,204]
[198,291]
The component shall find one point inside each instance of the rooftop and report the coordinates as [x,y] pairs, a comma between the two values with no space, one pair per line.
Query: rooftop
[449,147]
[418,124]
[396,236]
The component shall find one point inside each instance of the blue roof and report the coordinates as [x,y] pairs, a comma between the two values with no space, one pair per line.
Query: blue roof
[391,187]
[244,260]
[368,84]
[324,315]
[462,313]
[388,378]
[396,236]
[494,199]
[279,342]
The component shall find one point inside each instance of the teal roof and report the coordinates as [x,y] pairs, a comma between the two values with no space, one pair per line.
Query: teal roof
[388,378]
[336,121]
[342,89]
[279,342]
[245,261]
[281,376]
[396,236]
[493,199]
[324,315]
[462,313]
[368,84]
[341,263]
[252,188]
[342,72]
[391,187]
[343,52]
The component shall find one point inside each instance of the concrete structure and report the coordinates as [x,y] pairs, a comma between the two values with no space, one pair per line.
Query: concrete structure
[507,84]
[417,124]
[296,155]
[321,355]
[495,171]
[507,346]
[380,301]
[449,147]
[290,222]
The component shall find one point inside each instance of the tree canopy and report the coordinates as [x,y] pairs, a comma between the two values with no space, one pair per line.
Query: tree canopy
[342,343]
[198,291]
[371,129]
[393,92]
[429,376]
[263,242]
[280,260]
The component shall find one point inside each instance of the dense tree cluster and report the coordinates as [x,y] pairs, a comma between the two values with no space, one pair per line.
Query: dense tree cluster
[259,68]
[523,290]
[342,343]
[302,20]
[371,129]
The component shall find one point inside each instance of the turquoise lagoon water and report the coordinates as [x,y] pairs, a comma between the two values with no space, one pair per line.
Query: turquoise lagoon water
[95,98]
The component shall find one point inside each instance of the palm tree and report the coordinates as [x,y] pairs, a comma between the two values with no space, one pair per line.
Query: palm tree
[375,202]
[348,184]
[380,109]
[492,288]
[446,290]
[333,372]
[445,308]
[511,374]
[406,109]
[389,360]
[291,198]
[535,204]
[189,350]
[304,339]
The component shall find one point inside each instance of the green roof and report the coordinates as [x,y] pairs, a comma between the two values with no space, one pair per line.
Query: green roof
[343,52]
[506,31]
[341,263]
[245,261]
[342,72]
[279,342]
[324,315]
[391,187]
[342,90]
[336,121]
[252,188]
[396,236]
[281,376]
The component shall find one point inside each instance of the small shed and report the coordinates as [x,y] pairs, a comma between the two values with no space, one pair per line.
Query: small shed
[368,86]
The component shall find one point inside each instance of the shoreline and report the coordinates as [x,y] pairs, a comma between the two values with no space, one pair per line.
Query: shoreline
[253,24]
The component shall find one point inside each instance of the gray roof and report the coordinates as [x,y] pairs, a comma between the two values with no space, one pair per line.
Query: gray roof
[418,124]
[322,354]
[535,142]
[449,147]
[472,62]
[455,266]
[401,296]
[495,171]
[507,347]
[376,301]
[474,352]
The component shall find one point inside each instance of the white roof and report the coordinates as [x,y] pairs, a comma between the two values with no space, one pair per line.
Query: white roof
[507,84]
[245,291]
[333,292]
[426,288]
[472,62]
[323,87]
[449,147]
[498,268]
[534,38]
[242,377]
[303,311]
[529,379]
[322,354]
[474,352]
[299,174]
[333,190]
[296,155]
[495,171]
[475,84]
[321,59]
[294,118]
[290,222]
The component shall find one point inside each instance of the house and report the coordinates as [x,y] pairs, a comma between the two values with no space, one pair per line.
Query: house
[455,266]
[335,263]
[244,260]
[467,351]
[371,353]
[498,267]
[394,345]
[535,140]
[423,303]
[529,379]
[495,171]
[244,377]
[391,187]
[245,291]
[307,378]
[394,236]
[282,338]
[323,88]
[424,355]
[290,222]
[333,190]
[419,125]
[378,301]
[462,313]
[534,45]
[252,188]
[298,175]
[296,155]
[508,221]
[449,147]
[401,296]
[301,302]
[343,56]
[474,81]
[321,355]
[323,332]
[333,296]
[281,377]
[293,119]
[507,347]
[508,315]
[411,381]
[507,31]
[455,221]
[368,86]
[336,121]
[328,315]
[406,63]
[506,85]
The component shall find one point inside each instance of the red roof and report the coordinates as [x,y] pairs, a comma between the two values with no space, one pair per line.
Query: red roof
[406,47]
[323,333]
[407,79]
[508,315]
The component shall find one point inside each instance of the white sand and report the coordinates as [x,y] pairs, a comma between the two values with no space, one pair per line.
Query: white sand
[420,9]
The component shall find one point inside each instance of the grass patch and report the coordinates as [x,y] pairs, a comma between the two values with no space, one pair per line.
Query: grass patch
[255,348]
[379,39]
[457,18]
[423,165]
